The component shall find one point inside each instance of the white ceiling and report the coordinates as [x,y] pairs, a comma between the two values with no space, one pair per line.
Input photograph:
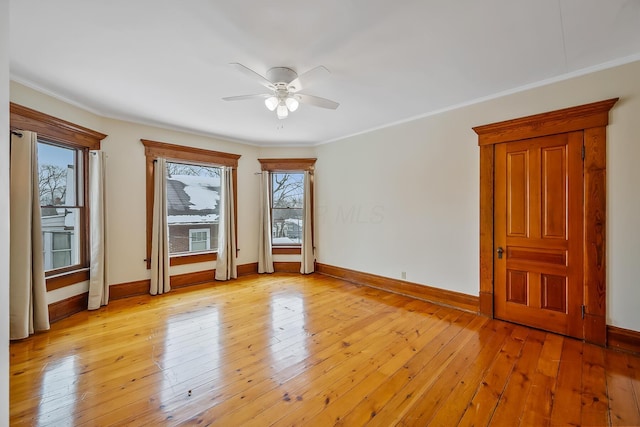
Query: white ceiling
[166,62]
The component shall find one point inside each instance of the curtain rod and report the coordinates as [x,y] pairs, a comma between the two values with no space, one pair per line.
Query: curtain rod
[16,133]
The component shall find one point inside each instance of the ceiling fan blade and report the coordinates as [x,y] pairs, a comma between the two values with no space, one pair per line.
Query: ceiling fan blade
[253,75]
[317,101]
[243,97]
[308,79]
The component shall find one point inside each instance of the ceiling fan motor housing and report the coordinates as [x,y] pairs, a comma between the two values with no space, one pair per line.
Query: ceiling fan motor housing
[281,75]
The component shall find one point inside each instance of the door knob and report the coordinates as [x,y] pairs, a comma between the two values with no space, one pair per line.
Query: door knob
[500,252]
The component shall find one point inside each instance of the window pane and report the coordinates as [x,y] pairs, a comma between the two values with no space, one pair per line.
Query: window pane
[56,175]
[61,237]
[287,190]
[287,200]
[61,259]
[193,199]
[287,227]
[61,241]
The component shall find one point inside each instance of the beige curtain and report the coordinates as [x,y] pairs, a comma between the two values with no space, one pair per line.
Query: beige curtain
[226,267]
[159,231]
[98,285]
[28,310]
[307,261]
[265,257]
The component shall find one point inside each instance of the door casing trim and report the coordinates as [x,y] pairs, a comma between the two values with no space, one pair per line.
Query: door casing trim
[592,119]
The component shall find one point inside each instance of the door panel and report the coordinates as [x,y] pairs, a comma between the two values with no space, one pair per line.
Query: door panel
[538,224]
[554,203]
[517,202]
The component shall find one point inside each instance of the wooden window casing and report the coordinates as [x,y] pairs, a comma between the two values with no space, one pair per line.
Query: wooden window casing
[292,165]
[184,154]
[67,134]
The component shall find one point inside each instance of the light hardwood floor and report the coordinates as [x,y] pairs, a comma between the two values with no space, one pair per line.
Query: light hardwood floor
[314,351]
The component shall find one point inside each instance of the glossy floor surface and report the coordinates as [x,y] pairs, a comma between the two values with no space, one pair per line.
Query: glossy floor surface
[315,351]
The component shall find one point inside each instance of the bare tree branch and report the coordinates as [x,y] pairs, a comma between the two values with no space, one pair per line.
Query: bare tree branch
[52,183]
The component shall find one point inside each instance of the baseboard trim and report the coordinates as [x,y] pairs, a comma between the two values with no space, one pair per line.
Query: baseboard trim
[422,292]
[141,287]
[189,279]
[247,269]
[623,339]
[286,267]
[129,289]
[66,307]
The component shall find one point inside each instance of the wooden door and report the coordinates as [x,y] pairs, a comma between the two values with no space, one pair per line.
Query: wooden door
[538,233]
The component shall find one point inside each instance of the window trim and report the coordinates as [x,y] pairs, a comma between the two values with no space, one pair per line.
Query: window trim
[56,130]
[292,165]
[183,153]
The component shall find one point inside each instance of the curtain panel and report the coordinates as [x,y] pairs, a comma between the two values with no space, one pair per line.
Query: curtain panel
[265,257]
[226,266]
[28,309]
[98,285]
[160,232]
[308,259]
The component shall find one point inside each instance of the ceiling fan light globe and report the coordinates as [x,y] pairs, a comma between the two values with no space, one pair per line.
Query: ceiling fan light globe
[292,104]
[282,111]
[271,103]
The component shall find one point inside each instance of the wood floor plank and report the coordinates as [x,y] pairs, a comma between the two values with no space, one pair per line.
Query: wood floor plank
[348,356]
[595,403]
[623,404]
[567,401]
[482,406]
[539,403]
[427,345]
[509,409]
[633,364]
[424,372]
[286,349]
[457,395]
[234,395]
[340,398]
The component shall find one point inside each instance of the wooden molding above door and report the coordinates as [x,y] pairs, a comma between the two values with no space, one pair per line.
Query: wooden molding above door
[592,119]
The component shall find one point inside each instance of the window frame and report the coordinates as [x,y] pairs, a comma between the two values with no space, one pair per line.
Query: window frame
[70,135]
[185,154]
[81,172]
[290,165]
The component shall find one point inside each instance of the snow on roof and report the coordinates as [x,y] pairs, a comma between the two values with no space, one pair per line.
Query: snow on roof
[192,193]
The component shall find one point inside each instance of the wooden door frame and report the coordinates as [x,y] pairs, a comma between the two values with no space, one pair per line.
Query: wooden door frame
[592,119]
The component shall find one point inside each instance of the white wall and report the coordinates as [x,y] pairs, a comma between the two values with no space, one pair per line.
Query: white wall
[406,198]
[4,212]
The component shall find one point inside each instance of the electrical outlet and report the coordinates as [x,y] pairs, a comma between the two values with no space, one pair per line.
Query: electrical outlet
[403,275]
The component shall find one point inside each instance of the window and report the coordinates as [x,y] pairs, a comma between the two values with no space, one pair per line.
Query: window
[61,181]
[193,197]
[287,201]
[62,158]
[199,240]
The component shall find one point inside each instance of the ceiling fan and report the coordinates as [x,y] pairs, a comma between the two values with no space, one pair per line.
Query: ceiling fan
[284,86]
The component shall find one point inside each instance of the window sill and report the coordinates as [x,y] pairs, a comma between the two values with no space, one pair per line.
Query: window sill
[67,279]
[286,250]
[192,258]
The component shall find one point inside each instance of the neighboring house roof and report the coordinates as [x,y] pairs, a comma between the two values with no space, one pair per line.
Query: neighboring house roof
[192,199]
